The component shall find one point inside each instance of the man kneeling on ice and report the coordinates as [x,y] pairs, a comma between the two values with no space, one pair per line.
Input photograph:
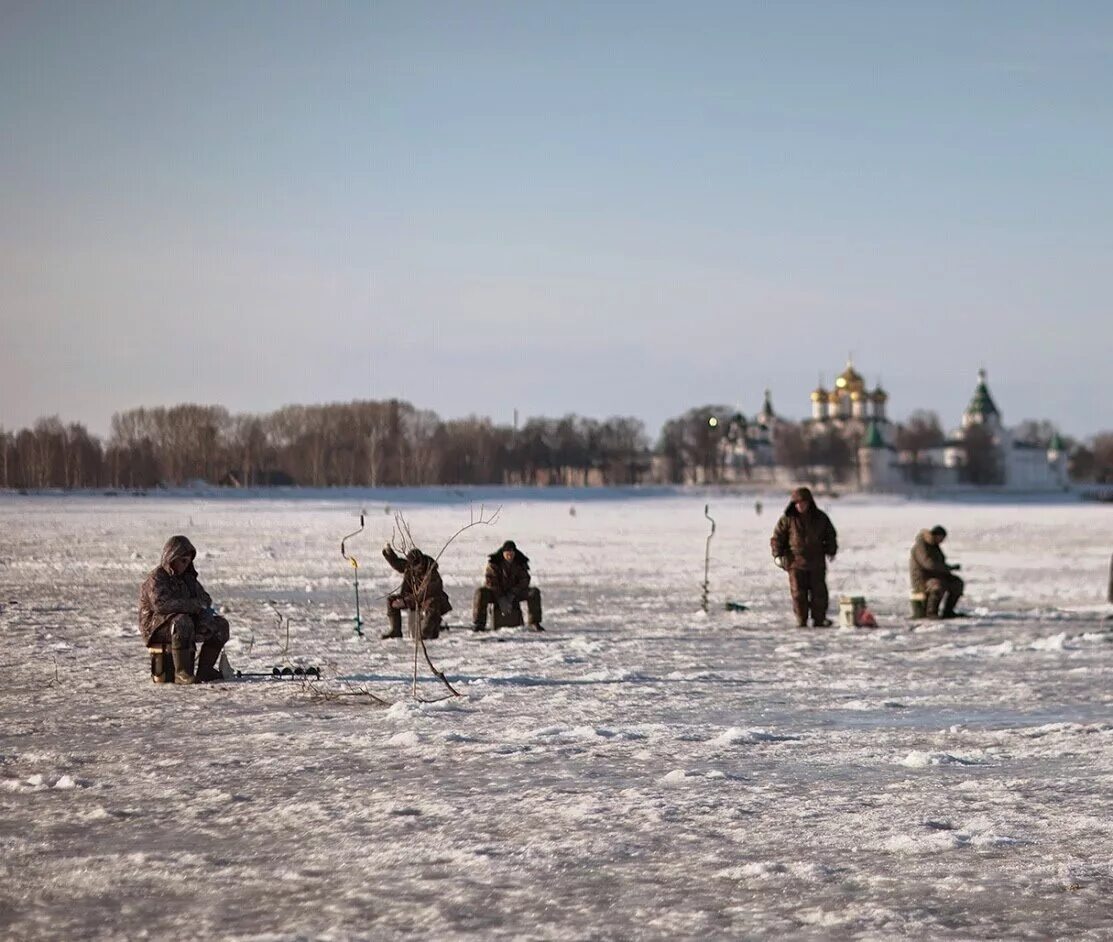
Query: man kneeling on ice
[175,609]
[422,591]
[506,584]
[933,576]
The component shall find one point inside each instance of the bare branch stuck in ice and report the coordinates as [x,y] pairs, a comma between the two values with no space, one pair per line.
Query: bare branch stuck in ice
[403,537]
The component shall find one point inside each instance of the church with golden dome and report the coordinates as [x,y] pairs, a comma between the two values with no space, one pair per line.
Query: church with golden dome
[851,411]
[849,402]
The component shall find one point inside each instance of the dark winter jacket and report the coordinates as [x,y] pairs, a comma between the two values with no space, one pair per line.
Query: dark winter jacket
[1111,580]
[926,562]
[421,581]
[508,578]
[805,540]
[164,594]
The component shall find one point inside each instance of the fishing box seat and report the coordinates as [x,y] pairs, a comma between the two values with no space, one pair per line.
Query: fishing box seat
[162,648]
[510,619]
[413,624]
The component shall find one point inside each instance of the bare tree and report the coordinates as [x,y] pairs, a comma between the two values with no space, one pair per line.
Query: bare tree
[982,465]
[1103,457]
[790,449]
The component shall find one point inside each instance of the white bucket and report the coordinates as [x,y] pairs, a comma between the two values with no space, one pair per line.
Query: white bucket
[850,610]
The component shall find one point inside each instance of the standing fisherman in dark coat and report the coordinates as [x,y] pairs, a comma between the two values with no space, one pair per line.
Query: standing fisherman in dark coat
[506,583]
[803,540]
[422,591]
[175,609]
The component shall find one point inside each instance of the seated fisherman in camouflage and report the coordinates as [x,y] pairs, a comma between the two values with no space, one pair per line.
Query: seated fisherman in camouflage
[175,609]
[933,576]
[506,584]
[422,590]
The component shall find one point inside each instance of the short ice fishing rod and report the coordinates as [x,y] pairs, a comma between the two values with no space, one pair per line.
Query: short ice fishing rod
[355,572]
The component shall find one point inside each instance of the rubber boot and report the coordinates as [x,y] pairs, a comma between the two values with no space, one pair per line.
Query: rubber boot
[479,610]
[394,616]
[206,663]
[159,673]
[183,664]
[430,626]
[931,604]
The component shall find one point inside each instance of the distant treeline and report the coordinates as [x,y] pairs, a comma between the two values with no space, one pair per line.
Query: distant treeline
[371,443]
[341,444]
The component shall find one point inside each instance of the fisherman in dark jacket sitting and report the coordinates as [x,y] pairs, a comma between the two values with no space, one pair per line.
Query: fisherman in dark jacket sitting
[175,609]
[506,584]
[803,540]
[422,590]
[932,575]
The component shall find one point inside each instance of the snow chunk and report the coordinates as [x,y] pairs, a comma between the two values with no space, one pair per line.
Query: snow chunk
[736,735]
[408,738]
[922,760]
[1052,643]
[933,842]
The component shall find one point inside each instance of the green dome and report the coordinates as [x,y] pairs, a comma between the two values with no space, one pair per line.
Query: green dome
[873,437]
[981,403]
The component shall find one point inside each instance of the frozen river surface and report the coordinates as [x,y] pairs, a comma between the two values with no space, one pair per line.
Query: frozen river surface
[637,771]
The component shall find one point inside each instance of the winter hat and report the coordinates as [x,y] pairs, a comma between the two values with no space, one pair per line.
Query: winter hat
[414,555]
[802,493]
[938,531]
[508,545]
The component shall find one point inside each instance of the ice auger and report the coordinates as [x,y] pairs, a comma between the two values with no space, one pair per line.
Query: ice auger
[355,573]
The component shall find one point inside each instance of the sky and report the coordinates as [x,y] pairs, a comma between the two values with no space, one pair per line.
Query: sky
[609,208]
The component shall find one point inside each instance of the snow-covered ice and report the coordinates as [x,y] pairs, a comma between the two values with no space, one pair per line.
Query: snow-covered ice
[636,771]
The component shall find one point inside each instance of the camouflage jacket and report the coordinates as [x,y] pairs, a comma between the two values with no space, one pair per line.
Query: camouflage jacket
[507,578]
[421,581]
[926,562]
[164,594]
[804,540]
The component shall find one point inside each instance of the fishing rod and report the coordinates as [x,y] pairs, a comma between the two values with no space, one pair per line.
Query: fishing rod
[355,573]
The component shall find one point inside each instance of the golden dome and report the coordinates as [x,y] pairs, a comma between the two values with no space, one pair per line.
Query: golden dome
[850,380]
[857,395]
[819,394]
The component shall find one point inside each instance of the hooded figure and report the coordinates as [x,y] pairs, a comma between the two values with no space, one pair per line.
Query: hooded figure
[175,609]
[803,540]
[506,584]
[422,590]
[932,575]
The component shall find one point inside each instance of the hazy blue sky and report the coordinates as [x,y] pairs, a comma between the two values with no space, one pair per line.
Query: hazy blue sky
[600,207]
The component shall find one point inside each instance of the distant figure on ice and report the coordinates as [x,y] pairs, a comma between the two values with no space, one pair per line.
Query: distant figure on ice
[803,540]
[506,584]
[422,590]
[757,508]
[932,575]
[175,609]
